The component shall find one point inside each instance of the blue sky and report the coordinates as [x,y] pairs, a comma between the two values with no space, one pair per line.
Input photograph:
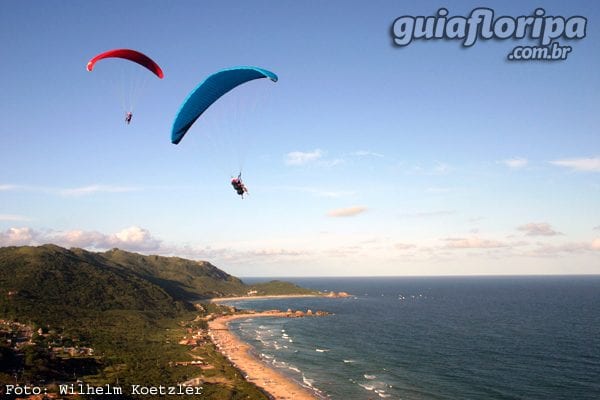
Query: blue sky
[363,159]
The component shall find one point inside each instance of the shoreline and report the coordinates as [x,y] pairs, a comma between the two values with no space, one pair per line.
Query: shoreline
[326,295]
[268,379]
[271,296]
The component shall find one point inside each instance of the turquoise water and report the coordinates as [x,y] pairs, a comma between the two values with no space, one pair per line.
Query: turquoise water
[438,338]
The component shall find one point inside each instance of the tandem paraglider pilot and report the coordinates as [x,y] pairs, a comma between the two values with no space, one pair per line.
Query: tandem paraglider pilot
[205,94]
[239,186]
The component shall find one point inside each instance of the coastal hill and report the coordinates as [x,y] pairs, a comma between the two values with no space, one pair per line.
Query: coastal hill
[47,279]
[51,284]
[115,316]
[52,279]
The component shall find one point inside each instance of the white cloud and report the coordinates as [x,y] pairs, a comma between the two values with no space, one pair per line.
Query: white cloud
[347,212]
[136,238]
[580,164]
[17,237]
[538,229]
[595,244]
[516,163]
[133,239]
[301,158]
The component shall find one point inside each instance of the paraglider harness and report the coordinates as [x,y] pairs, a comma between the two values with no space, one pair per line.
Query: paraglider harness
[128,117]
[238,185]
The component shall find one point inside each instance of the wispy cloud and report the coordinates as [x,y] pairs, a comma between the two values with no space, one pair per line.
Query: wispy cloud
[92,189]
[404,246]
[538,229]
[515,163]
[315,157]
[77,191]
[473,243]
[564,249]
[270,252]
[347,212]
[332,162]
[29,188]
[13,217]
[6,187]
[440,168]
[579,164]
[302,158]
[235,255]
[366,153]
[476,245]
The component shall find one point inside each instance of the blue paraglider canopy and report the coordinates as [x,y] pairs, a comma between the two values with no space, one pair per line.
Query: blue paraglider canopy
[209,91]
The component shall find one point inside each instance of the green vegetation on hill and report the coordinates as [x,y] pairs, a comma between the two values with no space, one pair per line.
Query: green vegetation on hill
[279,288]
[118,279]
[181,278]
[47,281]
[131,310]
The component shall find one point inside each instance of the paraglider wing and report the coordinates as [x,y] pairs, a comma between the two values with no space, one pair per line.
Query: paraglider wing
[130,55]
[209,91]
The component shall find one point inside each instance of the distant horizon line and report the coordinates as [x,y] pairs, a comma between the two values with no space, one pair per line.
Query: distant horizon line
[422,276]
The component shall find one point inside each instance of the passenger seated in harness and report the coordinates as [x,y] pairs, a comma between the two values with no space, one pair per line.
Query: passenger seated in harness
[239,186]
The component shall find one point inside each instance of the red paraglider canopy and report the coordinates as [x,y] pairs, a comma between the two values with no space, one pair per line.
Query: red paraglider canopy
[131,55]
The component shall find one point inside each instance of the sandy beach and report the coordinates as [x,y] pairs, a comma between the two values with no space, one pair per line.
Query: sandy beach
[271,381]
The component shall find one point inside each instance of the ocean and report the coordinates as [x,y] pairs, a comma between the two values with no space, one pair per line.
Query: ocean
[437,338]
